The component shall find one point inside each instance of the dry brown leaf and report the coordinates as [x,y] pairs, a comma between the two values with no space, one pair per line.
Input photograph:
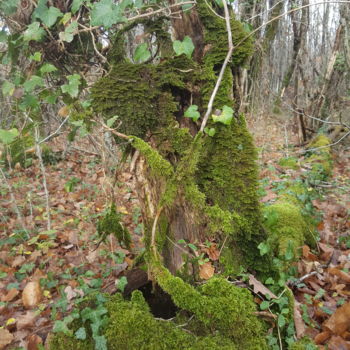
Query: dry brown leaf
[339,322]
[258,287]
[33,341]
[298,321]
[322,337]
[26,320]
[341,274]
[31,295]
[12,293]
[338,343]
[270,196]
[5,338]
[213,252]
[206,271]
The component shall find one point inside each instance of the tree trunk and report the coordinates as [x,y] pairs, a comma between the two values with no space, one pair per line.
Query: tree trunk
[192,186]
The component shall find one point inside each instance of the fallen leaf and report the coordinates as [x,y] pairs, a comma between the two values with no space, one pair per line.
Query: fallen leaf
[298,321]
[5,338]
[206,271]
[31,295]
[322,337]
[341,274]
[339,322]
[213,252]
[33,341]
[12,293]
[258,287]
[26,320]
[338,343]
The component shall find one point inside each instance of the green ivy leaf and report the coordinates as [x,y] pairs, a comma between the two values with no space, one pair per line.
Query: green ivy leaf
[184,47]
[48,15]
[80,333]
[121,283]
[29,101]
[61,327]
[210,131]
[76,5]
[281,321]
[270,281]
[193,247]
[142,54]
[34,32]
[106,13]
[72,88]
[66,18]
[225,117]
[32,83]
[192,112]
[264,248]
[68,34]
[8,88]
[9,7]
[8,136]
[47,68]
[111,121]
[181,241]
[100,342]
[264,305]
[3,36]
[36,56]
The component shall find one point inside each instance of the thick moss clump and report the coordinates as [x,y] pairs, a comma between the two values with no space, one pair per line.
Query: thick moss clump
[62,341]
[133,327]
[289,163]
[110,224]
[286,224]
[218,306]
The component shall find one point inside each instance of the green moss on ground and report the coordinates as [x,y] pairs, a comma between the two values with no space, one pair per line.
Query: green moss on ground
[286,226]
[289,163]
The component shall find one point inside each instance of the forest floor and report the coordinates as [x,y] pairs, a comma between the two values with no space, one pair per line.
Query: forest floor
[45,270]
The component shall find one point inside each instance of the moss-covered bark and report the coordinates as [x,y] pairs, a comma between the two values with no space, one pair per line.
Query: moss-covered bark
[217,176]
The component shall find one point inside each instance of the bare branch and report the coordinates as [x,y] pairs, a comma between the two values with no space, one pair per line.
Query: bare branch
[223,68]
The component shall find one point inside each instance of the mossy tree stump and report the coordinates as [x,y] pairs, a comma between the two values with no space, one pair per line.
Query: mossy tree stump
[191,186]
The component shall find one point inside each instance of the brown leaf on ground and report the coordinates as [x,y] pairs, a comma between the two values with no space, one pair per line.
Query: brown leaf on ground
[270,196]
[339,322]
[5,338]
[341,274]
[206,271]
[258,287]
[338,343]
[31,295]
[33,342]
[12,293]
[298,321]
[213,252]
[26,320]
[322,337]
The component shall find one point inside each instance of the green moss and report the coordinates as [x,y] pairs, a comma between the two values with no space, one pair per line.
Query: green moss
[133,327]
[110,224]
[62,341]
[289,163]
[320,141]
[219,306]
[286,225]
[304,343]
[155,161]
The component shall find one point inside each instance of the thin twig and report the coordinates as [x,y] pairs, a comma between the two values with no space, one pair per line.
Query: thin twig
[55,132]
[42,168]
[113,131]
[330,145]
[223,68]
[154,231]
